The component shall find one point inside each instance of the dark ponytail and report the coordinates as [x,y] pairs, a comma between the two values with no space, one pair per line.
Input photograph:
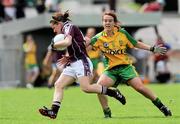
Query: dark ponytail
[58,16]
[66,15]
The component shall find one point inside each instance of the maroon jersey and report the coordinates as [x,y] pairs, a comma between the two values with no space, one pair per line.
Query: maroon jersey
[57,55]
[77,50]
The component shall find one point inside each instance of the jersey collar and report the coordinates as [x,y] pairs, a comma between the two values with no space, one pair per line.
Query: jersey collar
[105,34]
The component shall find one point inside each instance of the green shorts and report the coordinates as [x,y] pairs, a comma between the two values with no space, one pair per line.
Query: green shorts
[30,66]
[121,74]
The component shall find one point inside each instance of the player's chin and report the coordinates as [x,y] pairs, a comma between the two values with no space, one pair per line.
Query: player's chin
[108,28]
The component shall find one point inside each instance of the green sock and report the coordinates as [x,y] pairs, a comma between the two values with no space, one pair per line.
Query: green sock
[107,112]
[157,102]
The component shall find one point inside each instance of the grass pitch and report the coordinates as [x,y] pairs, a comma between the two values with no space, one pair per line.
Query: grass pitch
[20,106]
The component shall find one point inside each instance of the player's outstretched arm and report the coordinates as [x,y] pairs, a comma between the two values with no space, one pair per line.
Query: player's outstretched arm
[155,49]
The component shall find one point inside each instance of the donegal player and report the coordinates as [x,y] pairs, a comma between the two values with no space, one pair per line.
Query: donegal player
[113,44]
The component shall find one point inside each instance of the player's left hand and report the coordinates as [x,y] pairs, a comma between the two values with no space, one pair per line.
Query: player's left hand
[52,45]
[159,49]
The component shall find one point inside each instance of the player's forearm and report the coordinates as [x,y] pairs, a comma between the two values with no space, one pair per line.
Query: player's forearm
[63,43]
[48,58]
[143,46]
[88,41]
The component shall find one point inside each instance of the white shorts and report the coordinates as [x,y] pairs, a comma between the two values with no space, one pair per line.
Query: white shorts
[60,67]
[79,68]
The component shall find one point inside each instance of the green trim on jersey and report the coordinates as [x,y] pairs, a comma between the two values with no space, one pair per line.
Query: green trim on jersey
[105,61]
[95,38]
[95,62]
[130,38]
[114,47]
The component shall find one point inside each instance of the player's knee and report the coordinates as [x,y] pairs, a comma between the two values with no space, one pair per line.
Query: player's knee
[140,89]
[58,85]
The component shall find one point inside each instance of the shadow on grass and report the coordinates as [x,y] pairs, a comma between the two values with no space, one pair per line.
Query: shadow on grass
[144,117]
[8,118]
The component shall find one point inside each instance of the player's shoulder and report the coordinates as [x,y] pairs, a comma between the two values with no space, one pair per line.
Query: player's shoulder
[122,30]
[96,37]
[68,25]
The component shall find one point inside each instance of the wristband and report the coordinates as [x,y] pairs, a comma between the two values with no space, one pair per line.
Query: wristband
[152,48]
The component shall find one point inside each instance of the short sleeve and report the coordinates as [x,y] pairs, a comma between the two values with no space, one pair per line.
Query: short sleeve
[130,38]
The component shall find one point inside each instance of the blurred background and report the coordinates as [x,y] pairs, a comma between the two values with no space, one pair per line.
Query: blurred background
[150,21]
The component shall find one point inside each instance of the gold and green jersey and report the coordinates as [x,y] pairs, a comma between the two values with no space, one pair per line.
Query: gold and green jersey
[93,54]
[114,47]
[30,54]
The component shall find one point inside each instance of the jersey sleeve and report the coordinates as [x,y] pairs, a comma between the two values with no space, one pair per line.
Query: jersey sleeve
[94,42]
[69,30]
[95,39]
[132,42]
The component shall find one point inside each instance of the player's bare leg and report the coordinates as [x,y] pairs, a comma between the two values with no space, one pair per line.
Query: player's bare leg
[138,85]
[60,84]
[108,82]
[85,85]
[100,89]
[53,77]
